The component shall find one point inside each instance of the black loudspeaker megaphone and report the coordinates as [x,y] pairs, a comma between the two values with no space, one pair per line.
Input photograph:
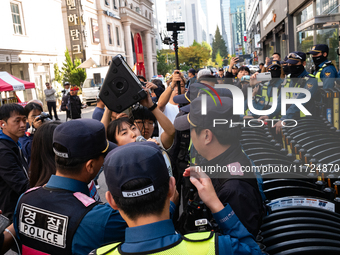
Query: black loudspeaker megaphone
[121,88]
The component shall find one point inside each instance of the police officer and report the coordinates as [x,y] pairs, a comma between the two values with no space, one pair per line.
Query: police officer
[220,145]
[142,189]
[325,72]
[61,217]
[298,77]
[262,96]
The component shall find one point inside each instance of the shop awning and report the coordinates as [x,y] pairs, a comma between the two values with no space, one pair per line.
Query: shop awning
[88,64]
[9,82]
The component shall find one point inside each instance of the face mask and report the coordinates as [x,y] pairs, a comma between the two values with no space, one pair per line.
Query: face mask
[296,70]
[318,60]
[286,69]
[276,73]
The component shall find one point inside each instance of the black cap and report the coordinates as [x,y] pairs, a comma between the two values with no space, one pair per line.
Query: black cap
[191,93]
[135,161]
[83,138]
[220,69]
[316,49]
[295,57]
[192,70]
[66,83]
[217,108]
[273,63]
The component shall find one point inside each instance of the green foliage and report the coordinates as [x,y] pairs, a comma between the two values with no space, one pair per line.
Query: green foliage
[67,66]
[219,59]
[211,63]
[219,45]
[72,74]
[78,75]
[58,76]
[184,67]
[194,56]
[195,43]
[166,61]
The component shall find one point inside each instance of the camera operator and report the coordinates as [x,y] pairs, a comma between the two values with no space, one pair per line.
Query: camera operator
[141,189]
[72,105]
[166,103]
[13,166]
[33,122]
[220,146]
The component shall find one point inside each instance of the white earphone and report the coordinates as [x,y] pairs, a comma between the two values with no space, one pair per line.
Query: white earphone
[3,125]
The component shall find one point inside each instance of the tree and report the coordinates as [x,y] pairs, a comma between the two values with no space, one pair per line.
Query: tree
[219,45]
[165,61]
[207,46]
[58,76]
[78,75]
[67,66]
[219,59]
[72,74]
[194,56]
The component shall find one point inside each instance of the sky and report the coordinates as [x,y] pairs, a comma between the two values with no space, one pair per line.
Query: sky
[214,13]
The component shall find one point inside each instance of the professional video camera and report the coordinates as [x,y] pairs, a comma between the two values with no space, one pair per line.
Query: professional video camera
[196,216]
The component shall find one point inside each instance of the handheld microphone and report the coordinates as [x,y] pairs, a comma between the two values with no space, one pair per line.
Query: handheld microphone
[165,154]
[141,139]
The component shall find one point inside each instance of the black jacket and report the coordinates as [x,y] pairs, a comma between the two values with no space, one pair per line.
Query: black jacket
[13,176]
[241,192]
[73,112]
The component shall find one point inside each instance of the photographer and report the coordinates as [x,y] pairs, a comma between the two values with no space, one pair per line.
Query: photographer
[33,122]
[72,105]
[142,190]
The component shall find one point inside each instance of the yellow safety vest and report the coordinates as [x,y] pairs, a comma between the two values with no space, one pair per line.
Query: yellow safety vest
[318,74]
[196,243]
[290,94]
[268,100]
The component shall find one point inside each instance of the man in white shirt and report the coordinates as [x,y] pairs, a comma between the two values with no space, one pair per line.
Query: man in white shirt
[166,103]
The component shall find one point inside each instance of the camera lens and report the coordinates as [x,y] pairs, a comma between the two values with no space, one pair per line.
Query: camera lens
[119,85]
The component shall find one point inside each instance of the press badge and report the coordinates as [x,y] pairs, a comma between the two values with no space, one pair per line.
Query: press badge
[43,225]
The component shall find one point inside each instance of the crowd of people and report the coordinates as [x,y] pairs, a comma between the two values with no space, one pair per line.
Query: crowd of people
[49,170]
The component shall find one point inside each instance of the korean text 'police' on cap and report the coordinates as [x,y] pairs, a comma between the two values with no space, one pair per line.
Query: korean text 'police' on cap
[135,161]
[83,138]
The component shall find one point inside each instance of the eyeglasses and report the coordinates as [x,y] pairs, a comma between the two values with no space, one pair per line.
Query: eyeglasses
[294,55]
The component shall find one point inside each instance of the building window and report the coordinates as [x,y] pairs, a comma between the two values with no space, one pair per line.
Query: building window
[18,30]
[150,16]
[109,32]
[114,4]
[325,7]
[304,15]
[146,14]
[107,2]
[117,35]
[131,6]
